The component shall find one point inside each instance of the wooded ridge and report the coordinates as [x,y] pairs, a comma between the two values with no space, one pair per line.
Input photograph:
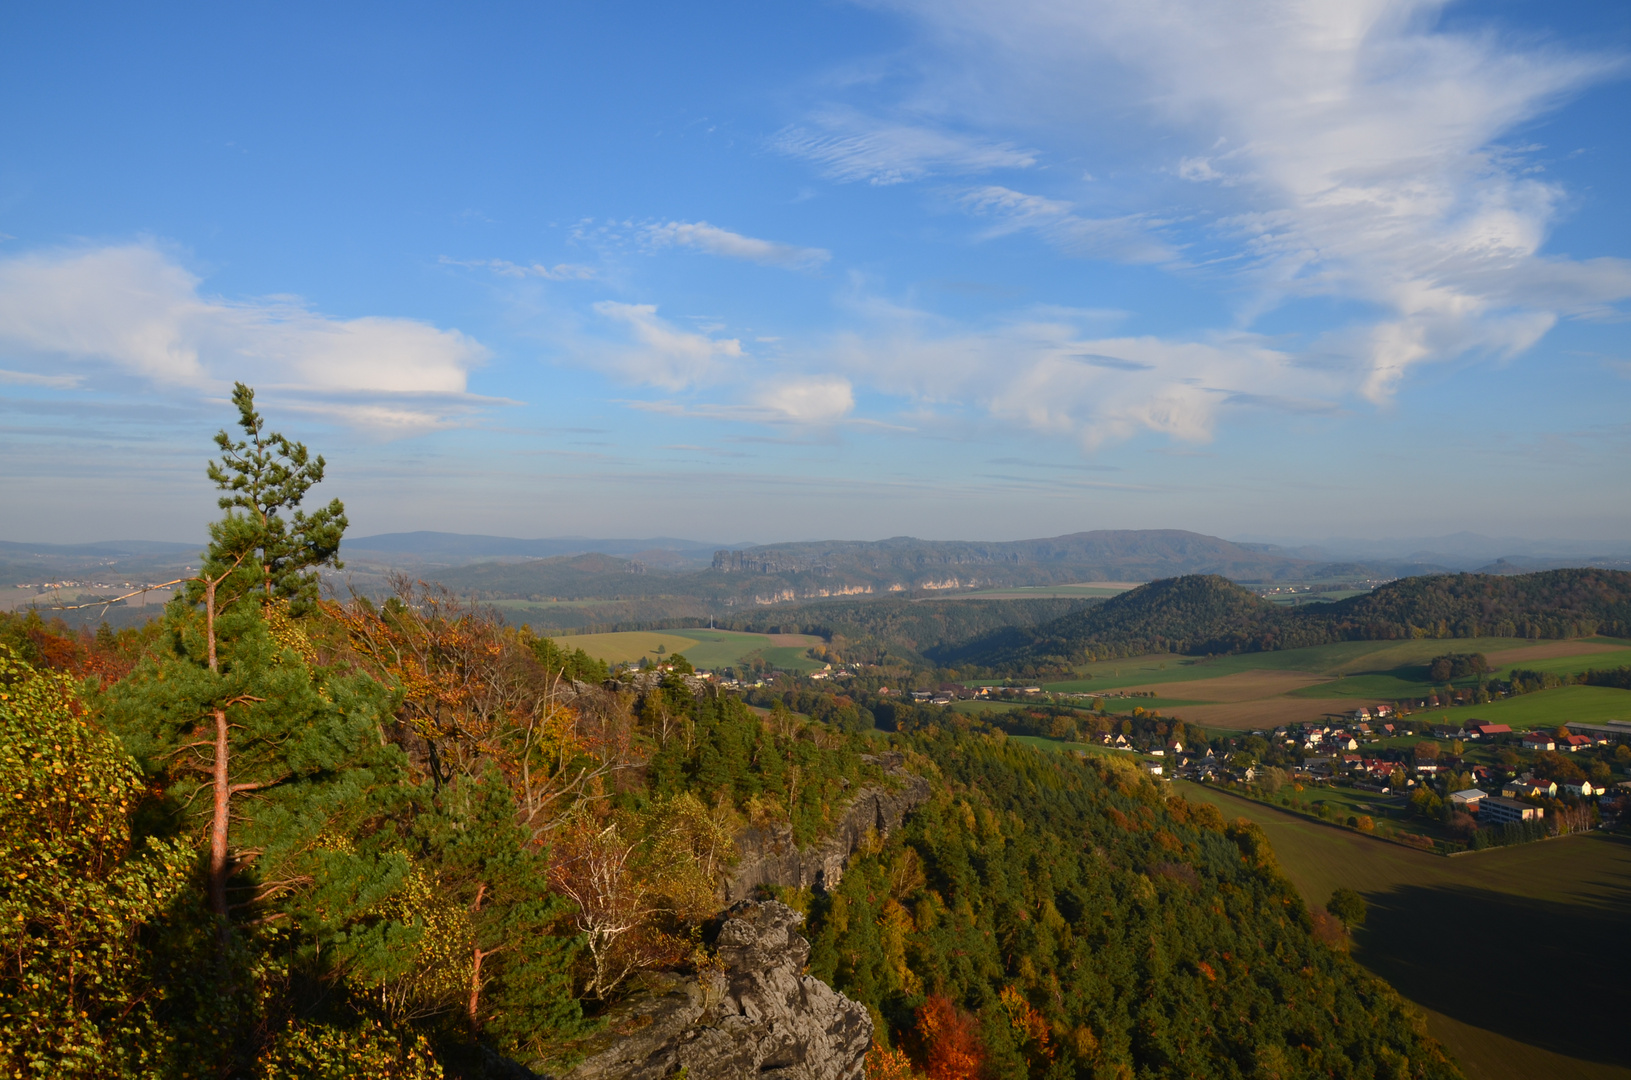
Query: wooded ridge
[1203,614]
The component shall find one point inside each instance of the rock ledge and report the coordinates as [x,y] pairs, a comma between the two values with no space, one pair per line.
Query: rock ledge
[762,1017]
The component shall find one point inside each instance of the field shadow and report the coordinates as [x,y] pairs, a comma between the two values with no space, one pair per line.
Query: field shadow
[1546,973]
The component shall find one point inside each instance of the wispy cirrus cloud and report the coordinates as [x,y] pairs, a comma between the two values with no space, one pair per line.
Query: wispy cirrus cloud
[1352,148]
[848,145]
[49,382]
[1129,238]
[806,401]
[505,268]
[1055,372]
[716,241]
[133,310]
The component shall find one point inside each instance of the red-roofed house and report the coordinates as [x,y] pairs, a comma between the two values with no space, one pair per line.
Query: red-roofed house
[1487,730]
[1539,740]
[1572,743]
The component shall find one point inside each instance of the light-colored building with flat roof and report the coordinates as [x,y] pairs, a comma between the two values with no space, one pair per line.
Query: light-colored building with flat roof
[1495,810]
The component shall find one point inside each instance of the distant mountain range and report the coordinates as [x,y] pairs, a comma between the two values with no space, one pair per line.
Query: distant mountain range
[782,573]
[679,578]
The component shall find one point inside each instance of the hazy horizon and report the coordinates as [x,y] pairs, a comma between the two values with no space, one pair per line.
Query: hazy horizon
[1461,545]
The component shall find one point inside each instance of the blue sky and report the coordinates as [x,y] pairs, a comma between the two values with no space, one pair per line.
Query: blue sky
[749,272]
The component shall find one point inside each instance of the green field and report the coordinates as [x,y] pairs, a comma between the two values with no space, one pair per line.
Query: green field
[1570,665]
[706,649]
[1546,708]
[1451,933]
[1400,660]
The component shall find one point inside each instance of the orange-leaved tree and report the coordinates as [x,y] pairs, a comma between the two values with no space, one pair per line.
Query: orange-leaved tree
[952,1047]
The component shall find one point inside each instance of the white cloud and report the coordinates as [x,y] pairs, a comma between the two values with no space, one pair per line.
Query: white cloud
[505,268]
[650,350]
[661,354]
[813,400]
[850,146]
[133,310]
[1355,142]
[49,382]
[717,241]
[1126,239]
[1050,371]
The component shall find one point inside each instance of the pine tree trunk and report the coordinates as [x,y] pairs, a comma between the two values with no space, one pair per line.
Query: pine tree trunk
[475,987]
[219,781]
[218,821]
[478,956]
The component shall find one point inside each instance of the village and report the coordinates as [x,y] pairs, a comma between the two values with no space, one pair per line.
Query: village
[1463,784]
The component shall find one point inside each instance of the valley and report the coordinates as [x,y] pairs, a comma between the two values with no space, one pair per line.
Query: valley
[1561,905]
[1254,690]
[705,649]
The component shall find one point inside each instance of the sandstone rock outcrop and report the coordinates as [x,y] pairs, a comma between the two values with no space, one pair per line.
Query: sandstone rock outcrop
[760,1018]
[768,855]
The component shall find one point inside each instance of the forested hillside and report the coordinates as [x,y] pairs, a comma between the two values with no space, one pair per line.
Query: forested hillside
[274,835]
[1205,614]
[1050,917]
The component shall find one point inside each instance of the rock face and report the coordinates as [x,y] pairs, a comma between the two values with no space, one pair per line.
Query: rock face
[769,857]
[761,1018]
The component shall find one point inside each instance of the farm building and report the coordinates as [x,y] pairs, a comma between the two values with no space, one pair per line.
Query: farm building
[1539,740]
[1498,811]
[1613,729]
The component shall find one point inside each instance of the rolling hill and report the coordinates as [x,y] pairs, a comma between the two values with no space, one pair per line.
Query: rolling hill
[1201,614]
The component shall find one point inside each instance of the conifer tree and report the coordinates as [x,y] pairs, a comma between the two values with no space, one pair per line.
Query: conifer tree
[289,751]
[265,534]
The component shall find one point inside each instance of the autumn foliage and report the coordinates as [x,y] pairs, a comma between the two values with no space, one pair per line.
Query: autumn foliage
[952,1048]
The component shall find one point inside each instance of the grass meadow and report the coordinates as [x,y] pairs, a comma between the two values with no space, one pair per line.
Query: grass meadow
[1516,955]
[1546,708]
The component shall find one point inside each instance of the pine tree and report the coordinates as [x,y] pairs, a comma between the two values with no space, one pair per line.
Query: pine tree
[298,821]
[265,534]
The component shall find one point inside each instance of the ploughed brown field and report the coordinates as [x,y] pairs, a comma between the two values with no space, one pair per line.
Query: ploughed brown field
[1264,713]
[1269,689]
